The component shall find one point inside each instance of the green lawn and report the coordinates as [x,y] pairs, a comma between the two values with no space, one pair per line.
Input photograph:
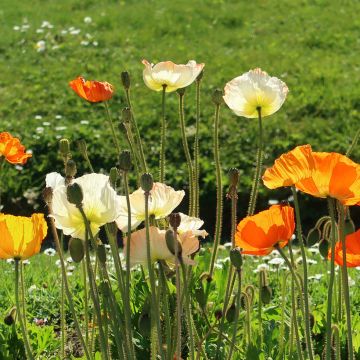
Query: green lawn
[312,45]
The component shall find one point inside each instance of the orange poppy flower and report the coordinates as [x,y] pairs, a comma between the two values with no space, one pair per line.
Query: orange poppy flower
[93,91]
[258,234]
[319,174]
[21,237]
[352,251]
[12,150]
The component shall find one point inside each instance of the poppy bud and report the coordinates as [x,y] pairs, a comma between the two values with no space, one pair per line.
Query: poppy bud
[230,313]
[10,317]
[234,176]
[122,128]
[101,253]
[70,169]
[76,248]
[64,147]
[82,147]
[47,195]
[349,227]
[113,176]
[170,242]
[175,220]
[324,248]
[244,300]
[200,76]
[266,293]
[218,314]
[144,325]
[236,258]
[181,91]
[313,237]
[200,296]
[217,97]
[74,194]
[125,160]
[125,79]
[126,115]
[104,288]
[146,182]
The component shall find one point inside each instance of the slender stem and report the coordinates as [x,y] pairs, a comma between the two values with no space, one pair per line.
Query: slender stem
[22,282]
[66,285]
[137,132]
[345,281]
[62,319]
[295,320]
[260,311]
[187,153]
[2,162]
[259,158]
[331,282]
[219,200]
[163,138]
[86,303]
[20,315]
[116,142]
[178,297]
[196,152]
[305,272]
[353,144]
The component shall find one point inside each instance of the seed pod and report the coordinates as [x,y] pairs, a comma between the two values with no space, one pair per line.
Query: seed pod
[146,182]
[81,145]
[181,91]
[230,313]
[324,248]
[236,258]
[175,220]
[74,194]
[217,97]
[101,252]
[266,294]
[243,300]
[125,79]
[234,176]
[313,237]
[125,160]
[76,248]
[70,169]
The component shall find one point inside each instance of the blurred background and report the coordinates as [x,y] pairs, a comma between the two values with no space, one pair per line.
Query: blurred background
[311,45]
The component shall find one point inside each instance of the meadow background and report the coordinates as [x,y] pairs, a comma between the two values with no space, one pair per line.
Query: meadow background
[312,45]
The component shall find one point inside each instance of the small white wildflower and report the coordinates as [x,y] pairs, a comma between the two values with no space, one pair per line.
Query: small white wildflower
[84,122]
[277,261]
[261,267]
[71,268]
[58,116]
[69,273]
[60,128]
[41,46]
[74,31]
[26,262]
[95,43]
[46,123]
[87,20]
[50,252]
[19,167]
[313,250]
[32,288]
[58,263]
[64,32]
[39,129]
[16,28]
[38,117]
[10,261]
[273,201]
[311,262]
[351,281]
[228,245]
[39,31]
[84,43]
[69,260]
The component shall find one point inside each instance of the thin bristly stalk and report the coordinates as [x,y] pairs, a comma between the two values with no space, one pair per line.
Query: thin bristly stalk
[345,281]
[86,302]
[22,287]
[335,340]
[115,139]
[282,323]
[163,138]
[305,272]
[260,310]
[259,158]
[62,307]
[331,281]
[181,93]
[196,150]
[295,319]
[178,296]
[353,144]
[219,199]
[20,315]
[137,132]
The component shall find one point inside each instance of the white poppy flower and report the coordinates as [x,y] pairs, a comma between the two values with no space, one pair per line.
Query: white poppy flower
[158,248]
[100,203]
[192,224]
[162,201]
[252,90]
[53,180]
[172,75]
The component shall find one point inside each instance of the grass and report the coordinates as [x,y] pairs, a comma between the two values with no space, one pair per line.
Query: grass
[312,45]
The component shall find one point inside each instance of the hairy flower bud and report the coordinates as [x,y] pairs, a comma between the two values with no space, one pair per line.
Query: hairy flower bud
[125,79]
[76,249]
[101,253]
[230,313]
[234,177]
[146,182]
[266,293]
[217,97]
[70,169]
[64,147]
[125,160]
[74,194]
[236,258]
[47,195]
[126,115]
[313,237]
[324,248]
[181,91]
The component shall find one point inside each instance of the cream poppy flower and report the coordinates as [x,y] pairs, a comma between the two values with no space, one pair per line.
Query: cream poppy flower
[53,180]
[101,205]
[254,89]
[172,75]
[158,248]
[191,225]
[163,200]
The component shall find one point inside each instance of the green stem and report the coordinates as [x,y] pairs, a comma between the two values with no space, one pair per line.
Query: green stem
[20,315]
[353,144]
[62,320]
[259,158]
[219,200]
[86,303]
[163,138]
[345,281]
[196,152]
[295,320]
[178,297]
[116,142]
[22,282]
[187,152]
[331,282]
[137,132]
[260,311]
[305,272]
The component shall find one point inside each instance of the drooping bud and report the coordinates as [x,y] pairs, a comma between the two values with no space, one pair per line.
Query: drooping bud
[126,115]
[324,248]
[181,91]
[175,220]
[313,237]
[10,317]
[200,296]
[266,293]
[76,248]
[170,242]
[125,160]
[217,97]
[349,227]
[125,79]
[146,182]
[64,147]
[74,194]
[113,176]
[236,258]
[230,313]
[70,169]
[244,299]
[101,253]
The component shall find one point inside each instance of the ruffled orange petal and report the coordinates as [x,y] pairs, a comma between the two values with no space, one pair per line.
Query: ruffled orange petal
[258,234]
[12,150]
[93,91]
